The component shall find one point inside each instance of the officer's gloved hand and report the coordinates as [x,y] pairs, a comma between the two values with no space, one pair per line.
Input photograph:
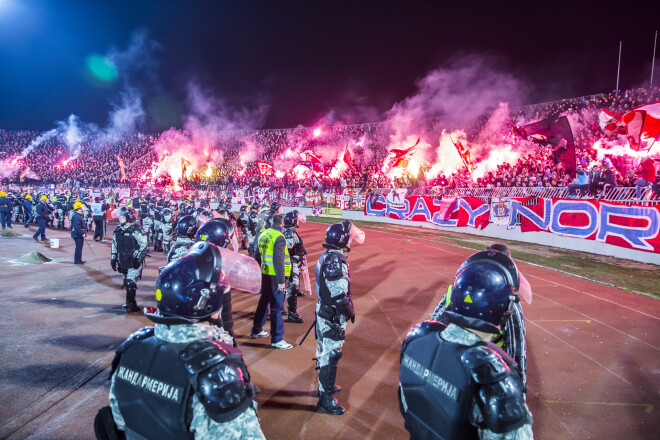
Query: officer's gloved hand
[113,263]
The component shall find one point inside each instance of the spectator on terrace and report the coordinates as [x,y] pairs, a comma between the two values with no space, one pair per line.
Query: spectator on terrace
[581,182]
[646,170]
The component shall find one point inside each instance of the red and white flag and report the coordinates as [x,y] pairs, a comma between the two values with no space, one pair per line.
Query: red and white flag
[402,157]
[265,169]
[640,125]
[348,160]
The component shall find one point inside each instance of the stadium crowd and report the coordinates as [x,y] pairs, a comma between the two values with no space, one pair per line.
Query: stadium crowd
[101,164]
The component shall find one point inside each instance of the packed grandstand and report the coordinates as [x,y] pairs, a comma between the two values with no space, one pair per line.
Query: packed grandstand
[361,156]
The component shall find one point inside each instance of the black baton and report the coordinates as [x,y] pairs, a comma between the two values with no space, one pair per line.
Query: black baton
[306,333]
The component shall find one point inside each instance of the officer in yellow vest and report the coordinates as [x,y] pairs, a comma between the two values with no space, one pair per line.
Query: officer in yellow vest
[273,256]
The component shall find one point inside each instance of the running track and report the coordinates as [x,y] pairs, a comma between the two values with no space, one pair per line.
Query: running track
[593,350]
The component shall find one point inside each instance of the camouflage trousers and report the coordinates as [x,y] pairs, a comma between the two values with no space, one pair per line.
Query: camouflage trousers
[167,236]
[294,279]
[60,219]
[329,337]
[132,275]
[148,226]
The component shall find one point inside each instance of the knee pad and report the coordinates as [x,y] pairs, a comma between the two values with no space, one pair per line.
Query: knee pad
[130,284]
[335,355]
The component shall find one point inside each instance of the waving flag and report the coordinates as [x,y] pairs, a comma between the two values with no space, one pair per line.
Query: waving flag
[309,156]
[265,169]
[640,125]
[555,132]
[184,165]
[312,161]
[316,167]
[29,174]
[348,160]
[402,157]
[465,155]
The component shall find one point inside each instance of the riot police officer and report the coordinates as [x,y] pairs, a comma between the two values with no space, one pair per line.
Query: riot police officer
[218,232]
[167,220]
[158,226]
[198,382]
[252,228]
[297,253]
[60,211]
[129,248]
[242,223]
[186,229]
[334,309]
[454,382]
[512,336]
[147,220]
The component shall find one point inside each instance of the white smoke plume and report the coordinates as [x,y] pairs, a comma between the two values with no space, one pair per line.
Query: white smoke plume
[202,140]
[459,93]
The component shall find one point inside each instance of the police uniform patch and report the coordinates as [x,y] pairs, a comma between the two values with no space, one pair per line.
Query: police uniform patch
[147,383]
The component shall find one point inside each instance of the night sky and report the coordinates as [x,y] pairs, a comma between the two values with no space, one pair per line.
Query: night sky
[306,58]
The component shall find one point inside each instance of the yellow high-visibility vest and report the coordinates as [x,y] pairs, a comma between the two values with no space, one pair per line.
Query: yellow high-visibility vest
[267,247]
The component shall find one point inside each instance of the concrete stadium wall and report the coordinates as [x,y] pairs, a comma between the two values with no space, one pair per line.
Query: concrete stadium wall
[543,238]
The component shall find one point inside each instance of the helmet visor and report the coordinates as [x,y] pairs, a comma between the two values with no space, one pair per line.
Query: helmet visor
[356,234]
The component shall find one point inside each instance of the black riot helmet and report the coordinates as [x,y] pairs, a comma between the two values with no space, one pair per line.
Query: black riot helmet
[186,227]
[128,214]
[215,231]
[254,207]
[293,218]
[268,220]
[187,210]
[339,235]
[275,207]
[484,290]
[191,288]
[243,209]
[228,207]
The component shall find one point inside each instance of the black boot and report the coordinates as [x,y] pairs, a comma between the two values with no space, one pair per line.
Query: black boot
[327,376]
[330,405]
[292,302]
[131,304]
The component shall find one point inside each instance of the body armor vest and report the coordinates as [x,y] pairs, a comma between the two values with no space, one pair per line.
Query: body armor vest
[325,296]
[126,246]
[153,389]
[437,389]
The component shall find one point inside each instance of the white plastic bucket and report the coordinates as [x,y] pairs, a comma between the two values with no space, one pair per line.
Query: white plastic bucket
[54,243]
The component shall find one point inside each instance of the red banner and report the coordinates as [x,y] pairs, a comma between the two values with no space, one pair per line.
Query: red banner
[447,212]
[633,227]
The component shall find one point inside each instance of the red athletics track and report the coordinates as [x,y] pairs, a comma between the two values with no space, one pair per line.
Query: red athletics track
[593,351]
